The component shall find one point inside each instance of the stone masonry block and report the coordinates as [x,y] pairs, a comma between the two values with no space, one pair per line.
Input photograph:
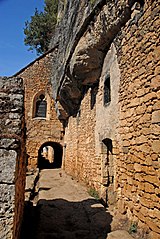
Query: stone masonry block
[119,234]
[156,117]
[7,193]
[156,146]
[9,143]
[7,165]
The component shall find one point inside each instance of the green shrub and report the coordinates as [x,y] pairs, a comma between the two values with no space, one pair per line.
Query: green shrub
[133,228]
[92,2]
[93,193]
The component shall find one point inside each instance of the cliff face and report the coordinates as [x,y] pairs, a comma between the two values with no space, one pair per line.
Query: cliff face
[82,41]
[68,32]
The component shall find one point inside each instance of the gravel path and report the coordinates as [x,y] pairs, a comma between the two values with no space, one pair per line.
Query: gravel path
[64,210]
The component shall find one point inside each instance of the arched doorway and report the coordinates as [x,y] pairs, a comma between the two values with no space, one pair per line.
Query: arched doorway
[50,155]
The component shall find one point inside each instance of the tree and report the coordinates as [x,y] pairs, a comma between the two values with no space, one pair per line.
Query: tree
[39,31]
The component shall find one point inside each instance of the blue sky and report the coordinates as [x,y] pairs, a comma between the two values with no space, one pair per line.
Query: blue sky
[14,55]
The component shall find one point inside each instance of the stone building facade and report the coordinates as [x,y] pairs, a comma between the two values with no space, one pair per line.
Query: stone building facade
[12,157]
[44,129]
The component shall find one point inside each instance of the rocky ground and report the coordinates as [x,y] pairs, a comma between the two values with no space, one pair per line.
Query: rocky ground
[63,209]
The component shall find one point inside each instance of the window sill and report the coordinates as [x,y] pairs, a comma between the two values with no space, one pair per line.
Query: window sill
[39,118]
[107,104]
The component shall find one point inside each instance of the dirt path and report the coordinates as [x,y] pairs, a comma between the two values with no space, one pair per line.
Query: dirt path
[64,210]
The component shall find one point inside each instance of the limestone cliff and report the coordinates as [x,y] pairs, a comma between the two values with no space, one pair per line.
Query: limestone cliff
[83,36]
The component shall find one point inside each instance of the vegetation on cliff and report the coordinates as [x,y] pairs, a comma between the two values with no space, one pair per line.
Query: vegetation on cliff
[39,30]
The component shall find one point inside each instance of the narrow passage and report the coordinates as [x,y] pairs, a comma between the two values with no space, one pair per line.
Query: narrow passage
[63,209]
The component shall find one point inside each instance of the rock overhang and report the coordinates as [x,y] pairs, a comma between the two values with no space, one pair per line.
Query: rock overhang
[84,53]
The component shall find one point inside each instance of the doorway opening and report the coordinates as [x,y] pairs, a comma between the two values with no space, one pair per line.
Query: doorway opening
[108,172]
[50,155]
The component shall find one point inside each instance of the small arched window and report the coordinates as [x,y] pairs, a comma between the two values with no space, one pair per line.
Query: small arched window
[41,107]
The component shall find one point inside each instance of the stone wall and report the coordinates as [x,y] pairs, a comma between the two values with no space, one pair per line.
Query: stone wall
[80,159]
[107,122]
[40,130]
[126,130]
[86,152]
[12,157]
[137,160]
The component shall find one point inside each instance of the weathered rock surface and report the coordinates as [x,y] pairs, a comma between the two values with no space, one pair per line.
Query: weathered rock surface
[119,234]
[83,40]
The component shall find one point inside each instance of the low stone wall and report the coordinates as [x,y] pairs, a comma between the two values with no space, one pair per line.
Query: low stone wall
[12,157]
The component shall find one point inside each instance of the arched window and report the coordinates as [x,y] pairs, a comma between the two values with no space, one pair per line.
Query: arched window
[41,106]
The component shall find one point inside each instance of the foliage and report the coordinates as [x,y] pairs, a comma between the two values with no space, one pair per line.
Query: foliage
[133,228]
[92,2]
[39,31]
[93,193]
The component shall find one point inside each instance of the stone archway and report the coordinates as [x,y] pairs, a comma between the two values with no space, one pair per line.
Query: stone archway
[50,155]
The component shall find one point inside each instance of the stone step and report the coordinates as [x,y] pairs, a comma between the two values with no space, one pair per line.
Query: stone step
[119,234]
